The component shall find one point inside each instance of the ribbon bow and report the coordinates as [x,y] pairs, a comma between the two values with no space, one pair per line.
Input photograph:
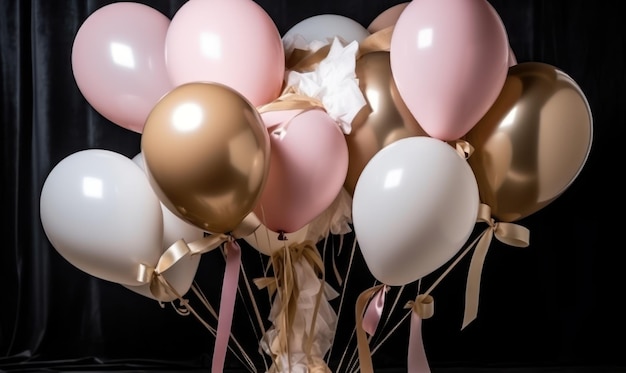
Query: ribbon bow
[159,286]
[422,308]
[507,233]
[365,356]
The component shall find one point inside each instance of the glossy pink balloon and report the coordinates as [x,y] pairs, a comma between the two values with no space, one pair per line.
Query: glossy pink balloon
[449,59]
[118,61]
[308,166]
[233,42]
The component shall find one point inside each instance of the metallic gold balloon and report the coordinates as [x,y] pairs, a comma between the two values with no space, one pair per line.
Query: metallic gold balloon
[383,121]
[532,143]
[206,152]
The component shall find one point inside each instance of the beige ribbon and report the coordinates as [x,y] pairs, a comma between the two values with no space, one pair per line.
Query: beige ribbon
[423,306]
[507,233]
[285,284]
[380,41]
[464,148]
[290,100]
[159,286]
[365,356]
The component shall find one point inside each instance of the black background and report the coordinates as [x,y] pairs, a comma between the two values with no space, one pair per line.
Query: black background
[557,303]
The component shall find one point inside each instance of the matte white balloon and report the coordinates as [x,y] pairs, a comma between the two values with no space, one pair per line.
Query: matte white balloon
[325,27]
[415,205]
[181,275]
[98,210]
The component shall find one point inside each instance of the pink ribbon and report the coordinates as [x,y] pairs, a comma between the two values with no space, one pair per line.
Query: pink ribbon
[227,305]
[374,311]
[422,308]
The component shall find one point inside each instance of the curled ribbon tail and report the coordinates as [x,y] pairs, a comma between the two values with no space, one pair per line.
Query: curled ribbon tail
[507,233]
[365,356]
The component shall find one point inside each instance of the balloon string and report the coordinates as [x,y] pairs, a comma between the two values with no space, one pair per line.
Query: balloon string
[378,345]
[453,264]
[507,233]
[343,293]
[257,314]
[184,303]
[196,290]
[388,317]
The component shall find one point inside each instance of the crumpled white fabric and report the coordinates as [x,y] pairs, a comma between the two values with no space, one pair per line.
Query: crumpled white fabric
[336,219]
[325,324]
[333,82]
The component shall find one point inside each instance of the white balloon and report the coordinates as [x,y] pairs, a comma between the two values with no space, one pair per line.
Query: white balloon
[98,211]
[414,206]
[181,275]
[325,27]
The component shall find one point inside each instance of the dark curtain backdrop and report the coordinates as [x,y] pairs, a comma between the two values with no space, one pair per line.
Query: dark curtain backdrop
[555,304]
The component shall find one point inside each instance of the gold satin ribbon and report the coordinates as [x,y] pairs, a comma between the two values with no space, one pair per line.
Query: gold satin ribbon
[285,285]
[154,275]
[159,286]
[464,148]
[365,356]
[507,233]
[290,100]
[423,306]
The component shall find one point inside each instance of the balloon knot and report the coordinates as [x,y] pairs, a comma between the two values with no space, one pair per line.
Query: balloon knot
[282,236]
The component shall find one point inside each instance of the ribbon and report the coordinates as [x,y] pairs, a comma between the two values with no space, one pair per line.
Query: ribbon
[507,233]
[464,148]
[374,311]
[159,288]
[376,42]
[227,304]
[422,308]
[289,99]
[284,284]
[164,292]
[365,356]
[178,250]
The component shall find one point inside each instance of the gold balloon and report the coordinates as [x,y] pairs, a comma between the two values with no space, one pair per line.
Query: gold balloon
[206,152]
[532,143]
[383,121]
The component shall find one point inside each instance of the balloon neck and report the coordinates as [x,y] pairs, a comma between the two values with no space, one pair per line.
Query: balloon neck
[282,236]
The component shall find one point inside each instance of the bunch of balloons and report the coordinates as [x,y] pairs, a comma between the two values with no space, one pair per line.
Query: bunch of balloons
[197,87]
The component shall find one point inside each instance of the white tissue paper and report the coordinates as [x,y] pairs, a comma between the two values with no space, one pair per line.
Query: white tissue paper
[333,82]
[325,325]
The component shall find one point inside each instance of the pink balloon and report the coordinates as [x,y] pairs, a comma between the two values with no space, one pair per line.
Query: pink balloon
[308,166]
[387,18]
[449,60]
[233,42]
[118,61]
